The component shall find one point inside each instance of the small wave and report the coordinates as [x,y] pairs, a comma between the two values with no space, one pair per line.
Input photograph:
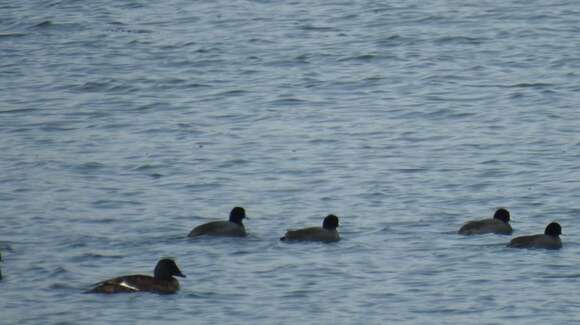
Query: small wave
[203,186]
[409,170]
[374,78]
[537,85]
[24,110]
[113,204]
[361,57]
[288,101]
[234,162]
[530,85]
[92,165]
[432,18]
[7,35]
[99,255]
[393,37]
[60,286]
[208,50]
[459,40]
[563,276]
[323,141]
[450,114]
[303,58]
[49,24]
[44,24]
[145,167]
[318,28]
[200,295]
[397,40]
[59,270]
[101,220]
[93,86]
[116,86]
[235,92]
[128,30]
[490,162]
[298,294]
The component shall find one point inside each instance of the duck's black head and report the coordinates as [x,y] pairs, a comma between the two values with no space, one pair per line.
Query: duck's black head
[166,268]
[237,214]
[554,229]
[330,222]
[502,214]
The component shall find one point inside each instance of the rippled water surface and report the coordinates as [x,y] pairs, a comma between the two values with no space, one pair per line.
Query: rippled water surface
[123,124]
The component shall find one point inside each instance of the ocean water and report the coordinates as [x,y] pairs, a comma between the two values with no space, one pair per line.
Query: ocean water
[124,124]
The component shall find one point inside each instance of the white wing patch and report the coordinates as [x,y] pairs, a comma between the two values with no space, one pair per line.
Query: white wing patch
[126,285]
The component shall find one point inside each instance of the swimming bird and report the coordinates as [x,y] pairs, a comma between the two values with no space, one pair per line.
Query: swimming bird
[231,228]
[549,240]
[499,224]
[161,282]
[326,233]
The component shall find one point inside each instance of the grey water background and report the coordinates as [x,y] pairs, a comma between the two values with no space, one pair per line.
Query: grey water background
[123,124]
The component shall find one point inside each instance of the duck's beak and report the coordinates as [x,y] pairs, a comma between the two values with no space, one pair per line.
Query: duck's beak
[180,274]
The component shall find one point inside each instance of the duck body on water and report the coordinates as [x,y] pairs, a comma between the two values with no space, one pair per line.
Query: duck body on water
[550,239]
[326,233]
[499,224]
[162,281]
[224,228]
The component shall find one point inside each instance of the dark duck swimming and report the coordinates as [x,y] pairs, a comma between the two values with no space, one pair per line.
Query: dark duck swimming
[162,281]
[550,239]
[326,233]
[225,228]
[499,224]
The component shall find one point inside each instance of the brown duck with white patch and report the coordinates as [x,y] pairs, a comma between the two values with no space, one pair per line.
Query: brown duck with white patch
[161,282]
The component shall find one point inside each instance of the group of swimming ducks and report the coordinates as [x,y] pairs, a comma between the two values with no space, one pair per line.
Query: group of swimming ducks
[163,281]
